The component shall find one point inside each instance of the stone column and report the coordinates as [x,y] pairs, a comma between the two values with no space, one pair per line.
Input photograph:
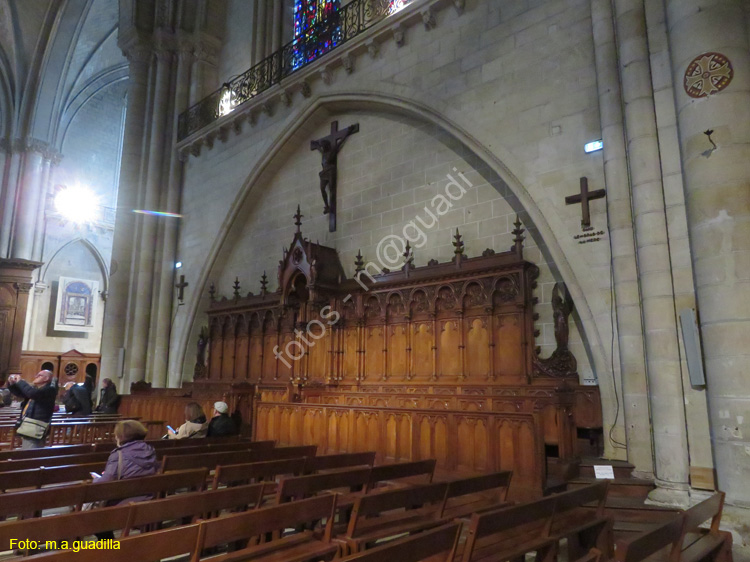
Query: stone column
[634,395]
[717,187]
[9,204]
[116,316]
[278,15]
[653,258]
[146,242]
[27,219]
[260,31]
[162,309]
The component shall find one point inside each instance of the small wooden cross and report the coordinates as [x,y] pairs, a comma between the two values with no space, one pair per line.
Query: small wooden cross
[181,287]
[583,198]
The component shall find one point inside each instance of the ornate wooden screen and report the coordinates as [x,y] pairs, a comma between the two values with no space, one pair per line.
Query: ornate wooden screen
[434,361]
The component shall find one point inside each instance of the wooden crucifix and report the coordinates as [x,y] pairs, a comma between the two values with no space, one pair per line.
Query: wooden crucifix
[181,287]
[329,147]
[583,198]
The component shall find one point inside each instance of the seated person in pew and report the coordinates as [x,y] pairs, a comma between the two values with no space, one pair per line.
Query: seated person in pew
[109,400]
[132,458]
[195,423]
[221,424]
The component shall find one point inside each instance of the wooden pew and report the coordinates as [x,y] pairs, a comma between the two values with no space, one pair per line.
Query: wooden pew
[511,533]
[681,540]
[435,545]
[582,527]
[300,487]
[201,505]
[32,502]
[149,547]
[647,544]
[476,494]
[264,471]
[335,462]
[211,460]
[157,485]
[697,544]
[68,527]
[106,446]
[40,477]
[302,546]
[59,460]
[419,472]
[389,513]
[20,454]
[102,454]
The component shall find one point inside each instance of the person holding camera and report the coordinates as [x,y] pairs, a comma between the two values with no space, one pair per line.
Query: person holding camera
[37,407]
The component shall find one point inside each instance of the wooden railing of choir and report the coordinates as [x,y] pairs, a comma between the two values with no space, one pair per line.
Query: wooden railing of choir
[461,441]
[168,404]
[554,405]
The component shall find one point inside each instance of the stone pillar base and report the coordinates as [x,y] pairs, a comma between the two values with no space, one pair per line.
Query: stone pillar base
[665,494]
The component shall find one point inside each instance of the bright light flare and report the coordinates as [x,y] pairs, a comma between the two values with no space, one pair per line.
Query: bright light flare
[77,204]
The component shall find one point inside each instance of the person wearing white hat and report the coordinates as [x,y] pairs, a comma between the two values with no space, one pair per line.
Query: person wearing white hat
[221,424]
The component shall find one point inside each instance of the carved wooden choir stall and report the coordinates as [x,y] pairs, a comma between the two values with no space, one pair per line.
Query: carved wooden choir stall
[424,362]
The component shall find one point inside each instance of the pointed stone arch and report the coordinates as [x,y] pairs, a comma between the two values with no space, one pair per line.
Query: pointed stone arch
[88,245]
[321,108]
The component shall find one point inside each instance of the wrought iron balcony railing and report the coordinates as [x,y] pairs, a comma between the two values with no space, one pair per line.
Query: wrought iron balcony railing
[348,22]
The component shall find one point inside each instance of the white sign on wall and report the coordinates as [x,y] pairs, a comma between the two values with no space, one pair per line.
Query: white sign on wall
[75,310]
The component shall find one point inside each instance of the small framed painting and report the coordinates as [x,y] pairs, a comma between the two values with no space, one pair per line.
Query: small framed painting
[76,305]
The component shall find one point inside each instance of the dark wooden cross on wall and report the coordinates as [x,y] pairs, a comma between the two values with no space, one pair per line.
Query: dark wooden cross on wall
[583,198]
[181,287]
[329,147]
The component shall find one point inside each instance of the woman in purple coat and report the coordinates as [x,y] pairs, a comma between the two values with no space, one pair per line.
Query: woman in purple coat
[132,458]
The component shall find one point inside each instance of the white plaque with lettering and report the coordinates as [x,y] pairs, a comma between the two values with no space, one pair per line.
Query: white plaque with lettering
[604,472]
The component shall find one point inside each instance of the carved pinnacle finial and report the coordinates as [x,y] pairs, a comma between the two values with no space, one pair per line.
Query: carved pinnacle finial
[518,236]
[236,287]
[264,284]
[359,263]
[212,292]
[458,244]
[298,220]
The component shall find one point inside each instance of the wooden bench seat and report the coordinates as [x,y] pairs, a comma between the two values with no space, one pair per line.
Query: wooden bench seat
[192,506]
[681,539]
[102,456]
[583,528]
[476,494]
[212,460]
[31,503]
[52,476]
[336,462]
[511,533]
[264,471]
[392,512]
[149,547]
[350,482]
[304,545]
[402,474]
[58,528]
[435,545]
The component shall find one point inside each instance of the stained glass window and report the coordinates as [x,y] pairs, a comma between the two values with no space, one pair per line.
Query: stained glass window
[316,29]
[395,5]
